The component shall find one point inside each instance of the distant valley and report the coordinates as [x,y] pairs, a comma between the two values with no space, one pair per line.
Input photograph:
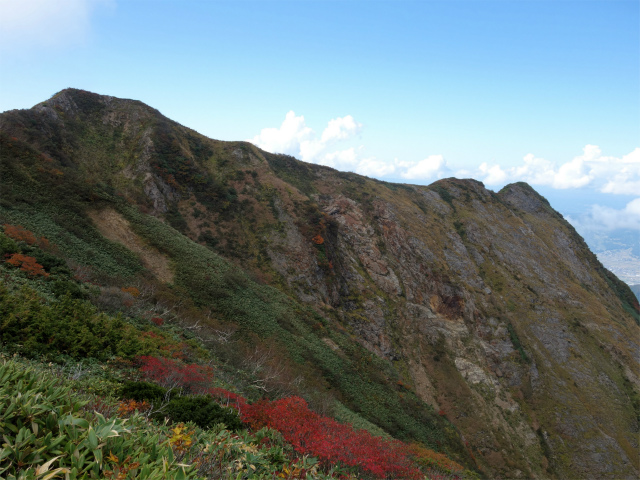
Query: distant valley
[623,263]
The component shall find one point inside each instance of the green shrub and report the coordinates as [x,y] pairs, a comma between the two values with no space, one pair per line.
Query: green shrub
[68,326]
[140,391]
[45,430]
[60,288]
[7,245]
[202,411]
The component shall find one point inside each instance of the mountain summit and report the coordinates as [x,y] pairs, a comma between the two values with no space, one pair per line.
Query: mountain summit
[447,314]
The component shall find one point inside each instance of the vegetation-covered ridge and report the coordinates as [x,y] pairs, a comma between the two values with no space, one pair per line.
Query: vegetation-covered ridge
[471,325]
[99,408]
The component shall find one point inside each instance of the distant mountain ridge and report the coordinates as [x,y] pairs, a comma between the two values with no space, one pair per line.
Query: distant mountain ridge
[491,328]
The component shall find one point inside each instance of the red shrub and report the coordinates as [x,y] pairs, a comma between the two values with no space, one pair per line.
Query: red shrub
[172,373]
[330,441]
[228,398]
[158,321]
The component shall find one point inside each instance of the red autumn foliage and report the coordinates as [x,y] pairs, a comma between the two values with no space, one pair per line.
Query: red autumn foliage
[227,398]
[158,321]
[318,240]
[151,335]
[330,441]
[172,373]
[19,233]
[175,350]
[27,264]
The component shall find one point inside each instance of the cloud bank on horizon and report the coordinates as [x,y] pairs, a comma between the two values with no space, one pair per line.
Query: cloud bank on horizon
[591,169]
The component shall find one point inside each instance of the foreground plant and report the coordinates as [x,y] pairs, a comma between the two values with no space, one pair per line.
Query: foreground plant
[46,434]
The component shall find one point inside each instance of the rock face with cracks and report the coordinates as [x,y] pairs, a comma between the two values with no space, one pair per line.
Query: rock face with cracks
[489,305]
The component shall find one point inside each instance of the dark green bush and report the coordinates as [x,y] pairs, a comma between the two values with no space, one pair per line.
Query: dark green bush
[140,391]
[62,287]
[199,409]
[175,219]
[202,411]
[69,326]
[51,263]
[7,245]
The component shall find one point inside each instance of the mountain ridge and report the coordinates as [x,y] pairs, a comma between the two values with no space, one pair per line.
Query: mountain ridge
[488,306]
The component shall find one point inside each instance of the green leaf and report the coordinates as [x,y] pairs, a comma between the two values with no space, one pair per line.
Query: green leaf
[93,439]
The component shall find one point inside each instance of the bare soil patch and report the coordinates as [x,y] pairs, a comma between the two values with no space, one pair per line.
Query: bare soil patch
[116,228]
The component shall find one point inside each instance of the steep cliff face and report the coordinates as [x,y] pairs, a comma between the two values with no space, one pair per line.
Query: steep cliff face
[488,306]
[497,313]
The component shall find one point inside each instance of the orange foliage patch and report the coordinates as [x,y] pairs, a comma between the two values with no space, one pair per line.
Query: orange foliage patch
[432,459]
[133,291]
[27,264]
[128,407]
[19,233]
[318,240]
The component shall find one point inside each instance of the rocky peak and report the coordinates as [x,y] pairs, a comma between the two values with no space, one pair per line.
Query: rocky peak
[523,196]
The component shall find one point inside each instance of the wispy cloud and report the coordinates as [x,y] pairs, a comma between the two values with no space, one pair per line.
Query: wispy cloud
[600,218]
[430,167]
[26,24]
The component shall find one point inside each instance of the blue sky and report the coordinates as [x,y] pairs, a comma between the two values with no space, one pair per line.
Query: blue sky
[542,91]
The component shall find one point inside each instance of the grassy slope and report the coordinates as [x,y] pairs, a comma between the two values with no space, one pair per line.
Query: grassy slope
[54,205]
[230,195]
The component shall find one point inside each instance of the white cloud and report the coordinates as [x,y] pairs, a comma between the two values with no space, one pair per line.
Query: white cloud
[340,129]
[534,170]
[589,169]
[295,138]
[607,218]
[45,23]
[572,174]
[626,181]
[432,166]
[342,158]
[287,139]
[608,174]
[372,167]
[493,174]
